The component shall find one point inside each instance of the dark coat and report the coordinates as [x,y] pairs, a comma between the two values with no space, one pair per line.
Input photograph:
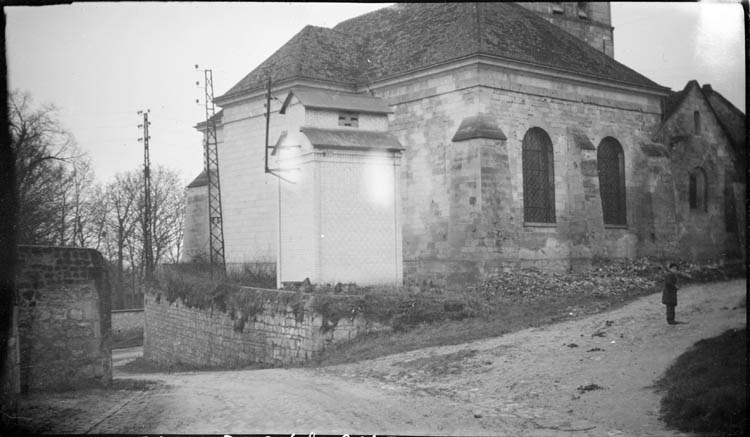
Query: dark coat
[669,295]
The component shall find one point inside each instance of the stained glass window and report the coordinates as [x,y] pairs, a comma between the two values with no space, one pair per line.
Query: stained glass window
[538,177]
[610,163]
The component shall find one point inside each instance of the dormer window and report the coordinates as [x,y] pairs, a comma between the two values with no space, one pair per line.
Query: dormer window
[583,10]
[349,120]
[557,8]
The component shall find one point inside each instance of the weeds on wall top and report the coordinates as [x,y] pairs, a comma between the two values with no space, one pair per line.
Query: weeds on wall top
[406,306]
[397,307]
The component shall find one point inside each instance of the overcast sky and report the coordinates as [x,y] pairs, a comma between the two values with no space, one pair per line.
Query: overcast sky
[99,63]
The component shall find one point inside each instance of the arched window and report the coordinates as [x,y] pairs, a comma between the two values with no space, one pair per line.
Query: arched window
[698,190]
[610,164]
[538,177]
[697,122]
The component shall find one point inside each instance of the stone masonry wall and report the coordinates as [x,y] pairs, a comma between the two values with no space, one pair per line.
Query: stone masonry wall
[463,201]
[177,334]
[700,234]
[127,323]
[63,299]
[196,229]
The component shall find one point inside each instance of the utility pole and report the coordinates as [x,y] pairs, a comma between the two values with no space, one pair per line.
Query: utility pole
[211,158]
[148,255]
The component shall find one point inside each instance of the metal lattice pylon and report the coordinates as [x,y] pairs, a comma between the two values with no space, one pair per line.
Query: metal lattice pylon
[211,158]
[148,254]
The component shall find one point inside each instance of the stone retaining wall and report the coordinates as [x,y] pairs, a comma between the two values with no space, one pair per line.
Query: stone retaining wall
[63,318]
[177,334]
[127,324]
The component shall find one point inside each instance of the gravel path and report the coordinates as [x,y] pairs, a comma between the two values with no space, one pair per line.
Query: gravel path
[530,382]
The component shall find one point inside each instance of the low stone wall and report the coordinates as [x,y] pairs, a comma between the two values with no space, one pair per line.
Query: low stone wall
[177,334]
[127,324]
[63,318]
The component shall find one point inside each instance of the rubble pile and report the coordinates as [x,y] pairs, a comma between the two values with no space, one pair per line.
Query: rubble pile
[604,278]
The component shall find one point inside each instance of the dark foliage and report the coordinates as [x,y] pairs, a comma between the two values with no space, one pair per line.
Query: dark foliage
[705,389]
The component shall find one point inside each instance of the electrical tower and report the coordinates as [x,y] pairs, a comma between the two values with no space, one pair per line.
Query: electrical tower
[211,160]
[148,255]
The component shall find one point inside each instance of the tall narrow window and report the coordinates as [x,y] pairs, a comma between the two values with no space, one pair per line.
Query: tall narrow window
[697,122]
[730,208]
[610,163]
[698,190]
[538,177]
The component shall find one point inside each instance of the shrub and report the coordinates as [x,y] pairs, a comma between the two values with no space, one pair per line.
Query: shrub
[704,390]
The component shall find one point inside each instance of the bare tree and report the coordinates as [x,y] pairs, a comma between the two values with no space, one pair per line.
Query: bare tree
[168,211]
[121,236]
[44,153]
[83,205]
[122,220]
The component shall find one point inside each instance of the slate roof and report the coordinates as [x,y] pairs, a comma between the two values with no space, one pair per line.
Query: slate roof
[215,118]
[341,101]
[731,119]
[200,181]
[479,126]
[673,101]
[351,139]
[409,36]
[313,53]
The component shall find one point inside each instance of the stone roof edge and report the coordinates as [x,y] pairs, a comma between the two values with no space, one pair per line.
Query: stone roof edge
[449,64]
[737,111]
[305,129]
[283,87]
[200,181]
[295,90]
[685,91]
[216,118]
[526,67]
[719,120]
[480,125]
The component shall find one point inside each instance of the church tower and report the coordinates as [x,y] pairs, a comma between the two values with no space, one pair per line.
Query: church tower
[589,21]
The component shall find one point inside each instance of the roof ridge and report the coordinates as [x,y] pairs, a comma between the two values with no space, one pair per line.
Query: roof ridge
[404,38]
[603,58]
[729,104]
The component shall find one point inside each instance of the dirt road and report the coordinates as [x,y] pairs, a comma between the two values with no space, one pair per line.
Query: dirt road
[590,376]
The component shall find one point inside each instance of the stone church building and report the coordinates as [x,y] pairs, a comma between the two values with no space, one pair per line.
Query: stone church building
[442,142]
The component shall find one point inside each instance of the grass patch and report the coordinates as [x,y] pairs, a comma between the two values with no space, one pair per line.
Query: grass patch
[134,384]
[516,300]
[705,389]
[141,366]
[510,315]
[425,316]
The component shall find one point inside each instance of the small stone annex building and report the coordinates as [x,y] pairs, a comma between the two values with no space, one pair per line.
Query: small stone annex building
[509,136]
